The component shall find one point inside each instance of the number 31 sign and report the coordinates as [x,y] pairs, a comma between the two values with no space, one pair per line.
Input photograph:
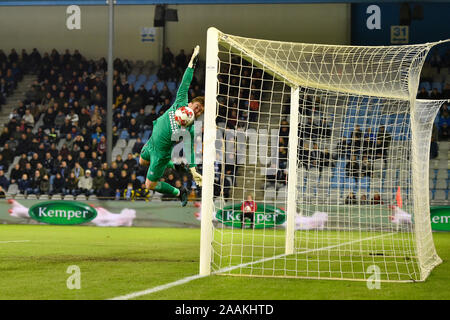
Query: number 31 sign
[399,34]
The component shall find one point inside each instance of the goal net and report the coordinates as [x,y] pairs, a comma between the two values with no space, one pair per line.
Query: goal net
[316,161]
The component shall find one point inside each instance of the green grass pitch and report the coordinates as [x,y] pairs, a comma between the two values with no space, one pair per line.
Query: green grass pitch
[118,261]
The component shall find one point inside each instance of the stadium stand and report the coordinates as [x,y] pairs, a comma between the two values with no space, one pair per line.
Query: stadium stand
[137,87]
[65,95]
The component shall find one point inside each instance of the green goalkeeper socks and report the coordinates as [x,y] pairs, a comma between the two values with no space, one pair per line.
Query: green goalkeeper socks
[166,188]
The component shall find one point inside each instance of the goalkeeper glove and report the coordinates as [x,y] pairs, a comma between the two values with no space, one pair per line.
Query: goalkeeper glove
[197,177]
[194,57]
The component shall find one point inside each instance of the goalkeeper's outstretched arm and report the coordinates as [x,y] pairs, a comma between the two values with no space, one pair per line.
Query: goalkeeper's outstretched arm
[194,57]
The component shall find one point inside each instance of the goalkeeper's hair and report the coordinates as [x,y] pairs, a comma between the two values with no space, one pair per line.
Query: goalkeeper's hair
[199,99]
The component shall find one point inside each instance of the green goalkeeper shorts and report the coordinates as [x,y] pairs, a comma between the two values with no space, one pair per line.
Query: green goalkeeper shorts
[159,160]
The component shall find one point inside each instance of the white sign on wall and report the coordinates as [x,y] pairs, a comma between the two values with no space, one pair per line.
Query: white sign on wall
[148,34]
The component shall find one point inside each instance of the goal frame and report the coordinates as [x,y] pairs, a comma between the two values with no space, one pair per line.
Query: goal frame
[209,155]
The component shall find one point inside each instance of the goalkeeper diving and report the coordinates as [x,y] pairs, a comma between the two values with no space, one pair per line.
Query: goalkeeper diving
[157,152]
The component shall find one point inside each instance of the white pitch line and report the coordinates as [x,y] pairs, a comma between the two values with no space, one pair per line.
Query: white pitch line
[243,265]
[158,288]
[11,241]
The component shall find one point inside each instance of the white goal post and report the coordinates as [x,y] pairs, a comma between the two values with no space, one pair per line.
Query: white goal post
[315,161]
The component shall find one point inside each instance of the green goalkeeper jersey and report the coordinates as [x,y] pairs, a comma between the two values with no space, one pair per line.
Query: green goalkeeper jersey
[165,126]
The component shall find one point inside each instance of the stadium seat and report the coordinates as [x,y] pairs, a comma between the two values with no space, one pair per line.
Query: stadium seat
[148,109]
[13,189]
[444,145]
[425,85]
[443,164]
[124,134]
[148,85]
[437,85]
[56,197]
[432,183]
[146,135]
[131,79]
[81,197]
[335,195]
[138,84]
[116,152]
[172,86]
[441,184]
[131,143]
[282,194]
[121,143]
[364,185]
[160,85]
[270,194]
[440,195]
[146,71]
[141,178]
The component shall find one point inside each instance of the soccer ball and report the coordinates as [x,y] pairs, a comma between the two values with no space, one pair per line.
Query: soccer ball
[184,116]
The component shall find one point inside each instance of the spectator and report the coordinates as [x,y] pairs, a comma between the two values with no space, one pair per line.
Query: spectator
[28,118]
[44,186]
[59,185]
[363,200]
[3,163]
[366,167]
[131,162]
[98,182]
[85,184]
[253,105]
[16,173]
[106,192]
[137,147]
[112,180]
[129,193]
[25,185]
[167,57]
[351,198]
[376,199]
[352,168]
[36,182]
[181,60]
[140,120]
[4,182]
[78,170]
[248,209]
[385,138]
[153,96]
[423,94]
[71,184]
[343,148]
[444,132]
[434,148]
[435,94]
[7,153]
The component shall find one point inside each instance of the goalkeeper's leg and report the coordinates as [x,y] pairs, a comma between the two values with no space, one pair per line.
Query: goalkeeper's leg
[155,172]
[157,162]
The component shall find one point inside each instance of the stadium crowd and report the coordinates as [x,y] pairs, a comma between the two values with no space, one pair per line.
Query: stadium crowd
[65,152]
[240,90]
